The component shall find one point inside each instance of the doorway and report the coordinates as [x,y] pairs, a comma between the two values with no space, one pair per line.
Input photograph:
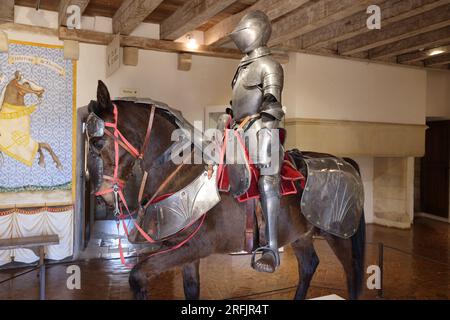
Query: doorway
[434,171]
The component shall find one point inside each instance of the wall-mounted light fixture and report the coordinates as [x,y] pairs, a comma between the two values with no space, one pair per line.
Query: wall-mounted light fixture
[436,52]
[191,42]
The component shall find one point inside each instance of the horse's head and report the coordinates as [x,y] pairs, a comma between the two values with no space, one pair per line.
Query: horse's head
[103,151]
[25,86]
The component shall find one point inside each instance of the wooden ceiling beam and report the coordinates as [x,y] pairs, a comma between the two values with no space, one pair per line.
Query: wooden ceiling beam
[315,16]
[7,11]
[132,13]
[438,60]
[218,34]
[190,16]
[64,4]
[392,11]
[428,21]
[101,38]
[434,38]
[421,55]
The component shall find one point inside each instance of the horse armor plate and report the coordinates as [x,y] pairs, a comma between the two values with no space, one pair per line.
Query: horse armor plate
[333,197]
[176,212]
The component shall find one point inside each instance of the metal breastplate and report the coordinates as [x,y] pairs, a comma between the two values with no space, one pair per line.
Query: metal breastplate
[247,91]
[171,215]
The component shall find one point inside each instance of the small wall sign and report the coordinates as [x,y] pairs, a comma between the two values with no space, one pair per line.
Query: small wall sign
[113,56]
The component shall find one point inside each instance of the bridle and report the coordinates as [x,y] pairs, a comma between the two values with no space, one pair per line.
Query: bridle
[98,129]
[120,141]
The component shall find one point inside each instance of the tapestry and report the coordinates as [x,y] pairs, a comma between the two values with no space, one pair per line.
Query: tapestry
[37,104]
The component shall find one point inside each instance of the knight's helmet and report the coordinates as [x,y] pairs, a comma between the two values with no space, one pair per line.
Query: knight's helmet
[253,31]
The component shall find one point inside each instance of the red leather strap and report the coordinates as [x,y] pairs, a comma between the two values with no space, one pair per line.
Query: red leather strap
[121,143]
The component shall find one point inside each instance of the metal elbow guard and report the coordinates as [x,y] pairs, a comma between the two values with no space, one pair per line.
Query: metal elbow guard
[272,107]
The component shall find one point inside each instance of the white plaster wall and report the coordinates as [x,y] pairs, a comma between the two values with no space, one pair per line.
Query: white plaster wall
[438,94]
[207,83]
[30,16]
[333,88]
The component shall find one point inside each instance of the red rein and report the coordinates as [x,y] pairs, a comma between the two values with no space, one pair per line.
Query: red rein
[118,184]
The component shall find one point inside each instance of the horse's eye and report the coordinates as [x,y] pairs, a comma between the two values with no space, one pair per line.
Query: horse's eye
[98,144]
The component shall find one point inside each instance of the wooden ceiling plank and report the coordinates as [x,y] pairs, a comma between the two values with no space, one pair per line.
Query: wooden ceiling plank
[438,60]
[420,55]
[434,38]
[315,16]
[7,11]
[428,21]
[190,16]
[64,4]
[131,13]
[218,34]
[392,11]
[101,38]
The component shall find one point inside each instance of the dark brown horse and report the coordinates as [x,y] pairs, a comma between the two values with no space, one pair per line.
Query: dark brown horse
[224,227]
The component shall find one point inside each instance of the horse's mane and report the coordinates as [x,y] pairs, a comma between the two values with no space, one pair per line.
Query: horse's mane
[166,114]
[173,116]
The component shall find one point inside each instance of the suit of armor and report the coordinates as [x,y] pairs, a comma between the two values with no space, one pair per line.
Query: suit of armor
[257,88]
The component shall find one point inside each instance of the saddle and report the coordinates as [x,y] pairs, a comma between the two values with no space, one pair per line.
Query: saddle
[242,181]
[289,174]
[241,178]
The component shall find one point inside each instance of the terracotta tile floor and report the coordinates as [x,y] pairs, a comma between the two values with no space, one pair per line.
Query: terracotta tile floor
[416,264]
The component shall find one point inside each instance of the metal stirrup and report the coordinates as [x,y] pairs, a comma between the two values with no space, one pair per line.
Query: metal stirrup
[263,250]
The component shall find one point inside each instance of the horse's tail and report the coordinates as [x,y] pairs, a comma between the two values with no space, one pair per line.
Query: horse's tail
[358,245]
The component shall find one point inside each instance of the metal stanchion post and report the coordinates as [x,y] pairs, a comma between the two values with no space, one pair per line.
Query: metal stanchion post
[380,264]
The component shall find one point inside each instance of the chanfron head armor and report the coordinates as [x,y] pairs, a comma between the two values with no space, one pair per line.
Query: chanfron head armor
[252,32]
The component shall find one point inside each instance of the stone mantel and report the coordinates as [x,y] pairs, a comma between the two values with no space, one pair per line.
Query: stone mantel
[356,138]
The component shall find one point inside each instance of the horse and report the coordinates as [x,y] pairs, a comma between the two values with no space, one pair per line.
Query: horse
[223,229]
[13,100]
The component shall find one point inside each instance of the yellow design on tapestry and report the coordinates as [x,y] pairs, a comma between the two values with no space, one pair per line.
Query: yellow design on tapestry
[15,138]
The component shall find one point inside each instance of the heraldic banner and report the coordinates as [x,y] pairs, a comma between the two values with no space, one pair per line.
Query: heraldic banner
[37,104]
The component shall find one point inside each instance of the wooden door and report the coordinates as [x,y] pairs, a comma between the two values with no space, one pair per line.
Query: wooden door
[435,170]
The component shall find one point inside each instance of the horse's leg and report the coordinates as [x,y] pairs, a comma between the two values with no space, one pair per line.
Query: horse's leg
[188,254]
[46,146]
[41,157]
[307,263]
[342,248]
[138,282]
[191,280]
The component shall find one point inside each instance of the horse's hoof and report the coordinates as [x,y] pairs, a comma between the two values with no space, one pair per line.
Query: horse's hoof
[141,295]
[59,167]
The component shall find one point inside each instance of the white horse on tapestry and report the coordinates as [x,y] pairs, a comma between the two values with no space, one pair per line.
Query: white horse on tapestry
[15,123]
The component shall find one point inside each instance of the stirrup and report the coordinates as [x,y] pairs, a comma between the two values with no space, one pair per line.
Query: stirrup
[263,250]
